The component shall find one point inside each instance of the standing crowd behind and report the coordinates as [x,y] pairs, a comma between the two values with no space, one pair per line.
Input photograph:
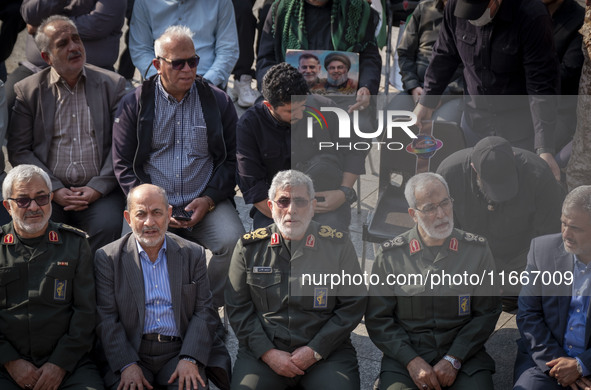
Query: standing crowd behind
[84,307]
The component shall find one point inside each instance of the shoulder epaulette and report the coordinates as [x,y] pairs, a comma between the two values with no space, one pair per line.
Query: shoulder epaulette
[255,235]
[73,230]
[470,237]
[328,232]
[393,243]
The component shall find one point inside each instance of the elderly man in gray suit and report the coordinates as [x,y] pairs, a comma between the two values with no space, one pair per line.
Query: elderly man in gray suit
[62,123]
[156,319]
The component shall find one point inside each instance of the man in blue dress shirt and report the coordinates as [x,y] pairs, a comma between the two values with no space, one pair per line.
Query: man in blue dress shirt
[553,318]
[156,319]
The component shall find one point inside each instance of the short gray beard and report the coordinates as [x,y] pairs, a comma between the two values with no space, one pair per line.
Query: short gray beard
[30,228]
[434,234]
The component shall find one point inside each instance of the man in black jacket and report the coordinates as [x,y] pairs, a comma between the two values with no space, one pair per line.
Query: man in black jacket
[178,132]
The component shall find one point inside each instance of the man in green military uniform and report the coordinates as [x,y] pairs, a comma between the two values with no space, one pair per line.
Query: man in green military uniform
[293,329]
[433,332]
[47,297]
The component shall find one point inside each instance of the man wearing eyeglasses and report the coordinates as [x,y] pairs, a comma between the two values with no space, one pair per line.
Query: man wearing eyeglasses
[292,333]
[432,334]
[47,294]
[179,132]
[62,123]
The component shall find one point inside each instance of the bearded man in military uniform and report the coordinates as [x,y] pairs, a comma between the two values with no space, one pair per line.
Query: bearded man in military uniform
[292,332]
[433,334]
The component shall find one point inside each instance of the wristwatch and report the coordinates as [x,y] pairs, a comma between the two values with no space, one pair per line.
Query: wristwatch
[188,359]
[317,356]
[350,194]
[454,362]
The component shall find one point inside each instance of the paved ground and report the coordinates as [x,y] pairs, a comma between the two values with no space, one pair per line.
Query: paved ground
[501,345]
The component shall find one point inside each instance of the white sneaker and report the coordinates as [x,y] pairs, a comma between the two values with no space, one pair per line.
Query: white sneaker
[246,95]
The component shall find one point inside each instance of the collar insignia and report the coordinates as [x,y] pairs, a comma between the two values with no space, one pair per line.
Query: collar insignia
[415,246]
[453,244]
[275,239]
[53,237]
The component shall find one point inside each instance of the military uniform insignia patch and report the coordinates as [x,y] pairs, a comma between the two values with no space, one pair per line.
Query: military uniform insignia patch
[464,305]
[310,241]
[262,270]
[8,239]
[63,263]
[453,244]
[474,238]
[73,229]
[327,231]
[255,235]
[59,290]
[275,239]
[395,242]
[320,301]
[415,246]
[53,237]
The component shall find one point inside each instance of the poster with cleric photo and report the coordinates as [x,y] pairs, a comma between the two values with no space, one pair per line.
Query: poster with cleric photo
[327,72]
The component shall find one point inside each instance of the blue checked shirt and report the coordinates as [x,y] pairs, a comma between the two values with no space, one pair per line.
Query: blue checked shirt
[574,336]
[179,160]
[159,314]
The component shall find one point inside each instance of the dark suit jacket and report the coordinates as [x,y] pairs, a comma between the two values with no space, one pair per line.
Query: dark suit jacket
[31,124]
[121,304]
[543,310]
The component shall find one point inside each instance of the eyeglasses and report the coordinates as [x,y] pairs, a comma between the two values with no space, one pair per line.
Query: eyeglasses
[284,203]
[23,203]
[431,209]
[180,64]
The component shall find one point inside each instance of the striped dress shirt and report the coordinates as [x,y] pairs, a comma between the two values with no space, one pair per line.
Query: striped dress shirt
[159,317]
[73,155]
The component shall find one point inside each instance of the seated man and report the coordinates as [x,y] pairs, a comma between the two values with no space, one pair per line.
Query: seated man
[215,34]
[47,305]
[433,339]
[508,195]
[156,320]
[99,23]
[342,25]
[554,350]
[179,132]
[62,122]
[271,136]
[289,334]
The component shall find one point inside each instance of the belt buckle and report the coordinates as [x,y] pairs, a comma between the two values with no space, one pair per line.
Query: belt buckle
[159,339]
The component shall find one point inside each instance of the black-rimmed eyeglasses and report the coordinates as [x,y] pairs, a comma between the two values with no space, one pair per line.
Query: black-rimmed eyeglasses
[23,203]
[180,63]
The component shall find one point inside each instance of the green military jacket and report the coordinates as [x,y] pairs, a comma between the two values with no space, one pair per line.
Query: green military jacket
[269,307]
[47,297]
[410,320]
